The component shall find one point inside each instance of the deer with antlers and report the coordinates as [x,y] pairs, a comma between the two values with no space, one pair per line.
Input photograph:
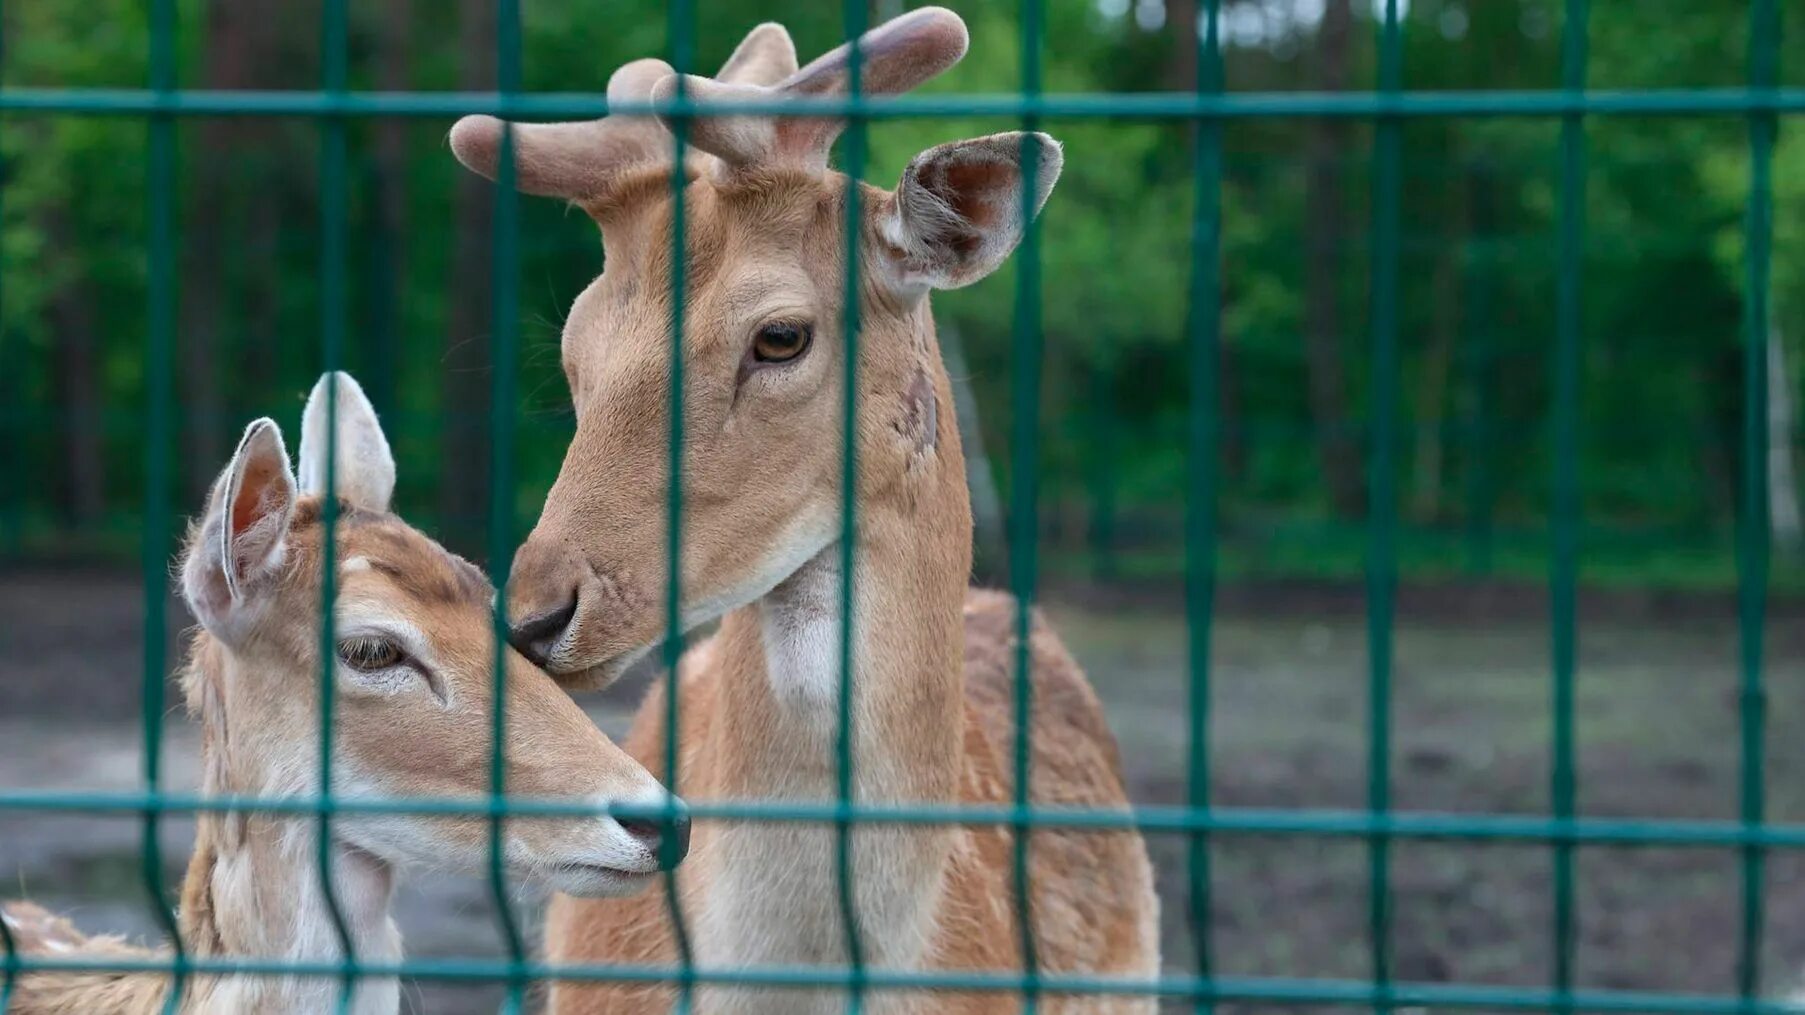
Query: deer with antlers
[763,361]
[415,690]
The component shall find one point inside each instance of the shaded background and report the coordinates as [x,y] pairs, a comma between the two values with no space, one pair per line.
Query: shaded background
[1661,393]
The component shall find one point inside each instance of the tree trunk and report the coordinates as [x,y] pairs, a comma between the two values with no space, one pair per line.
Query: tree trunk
[230,228]
[1782,481]
[1181,17]
[464,451]
[230,56]
[1324,220]
[989,542]
[1432,384]
[81,491]
[389,200]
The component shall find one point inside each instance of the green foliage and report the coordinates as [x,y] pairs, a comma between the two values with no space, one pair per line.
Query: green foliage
[1664,201]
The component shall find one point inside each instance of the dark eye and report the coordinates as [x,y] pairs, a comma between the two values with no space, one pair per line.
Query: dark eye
[370,654]
[781,341]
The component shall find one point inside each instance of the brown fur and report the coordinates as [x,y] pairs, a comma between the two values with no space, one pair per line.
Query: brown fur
[250,890]
[765,242]
[932,680]
[1080,879]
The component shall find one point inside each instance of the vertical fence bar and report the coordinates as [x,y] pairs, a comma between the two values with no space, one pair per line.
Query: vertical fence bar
[681,24]
[1752,536]
[504,282]
[12,490]
[9,537]
[1201,493]
[855,152]
[334,47]
[1381,564]
[1563,575]
[1024,543]
[159,396]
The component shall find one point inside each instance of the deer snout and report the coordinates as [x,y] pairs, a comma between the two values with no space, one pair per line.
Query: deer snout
[582,623]
[666,839]
[614,856]
[542,598]
[535,636]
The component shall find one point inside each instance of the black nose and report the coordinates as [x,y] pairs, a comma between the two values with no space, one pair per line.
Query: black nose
[535,636]
[665,838]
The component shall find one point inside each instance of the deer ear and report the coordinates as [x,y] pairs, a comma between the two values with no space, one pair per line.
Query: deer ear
[241,540]
[957,214]
[365,476]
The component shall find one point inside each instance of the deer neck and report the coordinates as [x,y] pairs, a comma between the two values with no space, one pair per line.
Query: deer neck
[253,885]
[771,896]
[911,564]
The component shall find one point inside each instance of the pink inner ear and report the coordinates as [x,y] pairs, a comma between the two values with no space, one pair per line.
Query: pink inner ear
[248,507]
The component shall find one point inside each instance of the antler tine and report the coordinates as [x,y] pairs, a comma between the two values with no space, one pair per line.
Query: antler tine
[894,57]
[765,57]
[578,160]
[574,160]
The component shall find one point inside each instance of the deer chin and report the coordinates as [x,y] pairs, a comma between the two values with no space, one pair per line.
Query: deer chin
[590,676]
[593,881]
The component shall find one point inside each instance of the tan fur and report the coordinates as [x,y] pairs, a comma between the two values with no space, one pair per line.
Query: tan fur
[1093,902]
[764,243]
[252,887]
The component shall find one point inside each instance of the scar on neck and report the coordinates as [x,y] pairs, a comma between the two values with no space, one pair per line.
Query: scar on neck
[921,413]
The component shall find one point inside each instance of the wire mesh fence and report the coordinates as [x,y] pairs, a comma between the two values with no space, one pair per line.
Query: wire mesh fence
[1205,112]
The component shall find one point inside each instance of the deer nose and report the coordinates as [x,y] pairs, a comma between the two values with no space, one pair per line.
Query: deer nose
[667,839]
[535,636]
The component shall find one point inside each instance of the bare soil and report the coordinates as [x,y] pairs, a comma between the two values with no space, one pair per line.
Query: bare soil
[1656,726]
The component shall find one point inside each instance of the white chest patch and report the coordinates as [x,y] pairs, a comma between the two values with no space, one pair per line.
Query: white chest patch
[802,631]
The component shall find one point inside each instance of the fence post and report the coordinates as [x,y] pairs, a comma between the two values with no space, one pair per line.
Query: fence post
[1565,509]
[159,395]
[1752,544]
[1201,491]
[1381,563]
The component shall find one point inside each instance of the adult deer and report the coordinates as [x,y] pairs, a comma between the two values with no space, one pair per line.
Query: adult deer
[415,692]
[763,366]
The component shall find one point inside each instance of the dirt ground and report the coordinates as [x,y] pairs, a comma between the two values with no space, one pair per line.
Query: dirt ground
[1657,728]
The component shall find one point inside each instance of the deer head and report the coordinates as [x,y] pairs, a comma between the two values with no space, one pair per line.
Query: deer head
[413,670]
[762,347]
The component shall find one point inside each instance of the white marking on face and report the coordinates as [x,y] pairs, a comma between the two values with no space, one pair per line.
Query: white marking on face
[353,565]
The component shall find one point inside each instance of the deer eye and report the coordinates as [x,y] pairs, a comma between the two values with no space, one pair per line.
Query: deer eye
[370,654]
[781,341]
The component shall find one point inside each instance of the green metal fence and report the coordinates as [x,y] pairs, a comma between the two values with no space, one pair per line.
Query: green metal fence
[1207,108]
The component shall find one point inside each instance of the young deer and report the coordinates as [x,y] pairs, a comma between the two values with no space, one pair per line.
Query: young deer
[764,361]
[413,719]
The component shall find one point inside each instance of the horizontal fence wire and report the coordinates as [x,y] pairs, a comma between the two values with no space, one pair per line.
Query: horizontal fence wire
[1132,106]
[1268,990]
[1208,108]
[1394,824]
